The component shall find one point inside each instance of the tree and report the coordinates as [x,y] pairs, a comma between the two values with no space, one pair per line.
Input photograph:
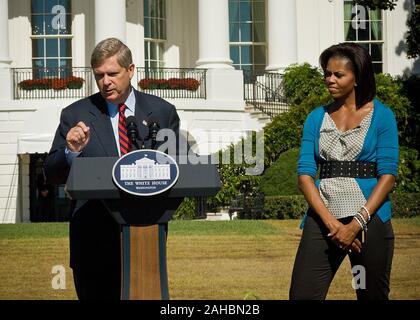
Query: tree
[413,37]
[377,4]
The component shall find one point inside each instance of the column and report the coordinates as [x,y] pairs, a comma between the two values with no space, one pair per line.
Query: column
[213,34]
[110,20]
[5,61]
[282,34]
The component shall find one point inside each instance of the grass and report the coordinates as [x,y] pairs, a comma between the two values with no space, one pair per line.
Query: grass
[206,260]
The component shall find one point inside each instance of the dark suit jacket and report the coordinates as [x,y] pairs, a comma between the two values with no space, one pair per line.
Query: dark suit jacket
[93,112]
[94,235]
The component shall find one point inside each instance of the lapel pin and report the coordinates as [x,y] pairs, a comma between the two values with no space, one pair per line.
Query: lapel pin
[144,122]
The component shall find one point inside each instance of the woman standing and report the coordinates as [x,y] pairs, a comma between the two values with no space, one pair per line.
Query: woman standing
[354,141]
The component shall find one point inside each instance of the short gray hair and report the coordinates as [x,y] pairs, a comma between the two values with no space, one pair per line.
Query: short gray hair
[108,48]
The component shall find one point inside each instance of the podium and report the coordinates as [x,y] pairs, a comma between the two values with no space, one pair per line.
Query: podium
[143,220]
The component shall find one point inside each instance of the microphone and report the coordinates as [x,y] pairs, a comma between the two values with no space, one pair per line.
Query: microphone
[153,130]
[132,131]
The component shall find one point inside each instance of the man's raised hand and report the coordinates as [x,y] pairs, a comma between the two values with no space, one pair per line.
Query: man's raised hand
[78,137]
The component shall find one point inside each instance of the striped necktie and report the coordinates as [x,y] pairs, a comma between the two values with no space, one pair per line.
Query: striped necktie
[122,130]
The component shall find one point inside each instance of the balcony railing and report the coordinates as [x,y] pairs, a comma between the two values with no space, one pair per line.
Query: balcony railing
[173,83]
[52,83]
[265,93]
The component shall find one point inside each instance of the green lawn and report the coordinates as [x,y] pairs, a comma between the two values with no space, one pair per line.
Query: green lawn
[206,260]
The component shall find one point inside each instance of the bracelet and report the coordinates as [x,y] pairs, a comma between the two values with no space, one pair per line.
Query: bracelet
[362,218]
[367,211]
[358,221]
[359,217]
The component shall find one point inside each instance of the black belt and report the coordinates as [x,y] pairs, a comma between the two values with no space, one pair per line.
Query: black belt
[350,169]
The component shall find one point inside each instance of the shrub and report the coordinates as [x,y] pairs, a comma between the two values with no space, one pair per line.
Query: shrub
[285,131]
[234,181]
[413,36]
[281,178]
[411,88]
[305,90]
[233,174]
[186,210]
[300,81]
[250,206]
[285,207]
[389,90]
[408,179]
[404,205]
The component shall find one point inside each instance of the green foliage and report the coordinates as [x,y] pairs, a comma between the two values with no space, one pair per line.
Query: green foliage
[408,179]
[283,133]
[405,205]
[231,178]
[285,207]
[300,81]
[305,89]
[233,174]
[390,91]
[411,88]
[377,4]
[186,210]
[413,35]
[281,177]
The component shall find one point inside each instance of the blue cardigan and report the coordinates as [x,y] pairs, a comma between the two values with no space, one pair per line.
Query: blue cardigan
[380,146]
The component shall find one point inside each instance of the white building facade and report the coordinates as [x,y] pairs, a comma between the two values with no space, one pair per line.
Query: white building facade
[205,55]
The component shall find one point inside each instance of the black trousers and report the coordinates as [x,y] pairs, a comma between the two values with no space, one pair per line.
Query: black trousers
[318,259]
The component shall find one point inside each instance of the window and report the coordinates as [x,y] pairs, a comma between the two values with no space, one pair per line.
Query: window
[51,38]
[154,32]
[365,27]
[247,35]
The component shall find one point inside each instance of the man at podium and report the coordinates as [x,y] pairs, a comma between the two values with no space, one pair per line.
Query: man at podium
[96,127]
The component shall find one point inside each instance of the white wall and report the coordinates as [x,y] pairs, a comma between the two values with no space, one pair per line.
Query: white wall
[395,52]
[20,46]
[83,30]
[14,172]
[135,31]
[319,25]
